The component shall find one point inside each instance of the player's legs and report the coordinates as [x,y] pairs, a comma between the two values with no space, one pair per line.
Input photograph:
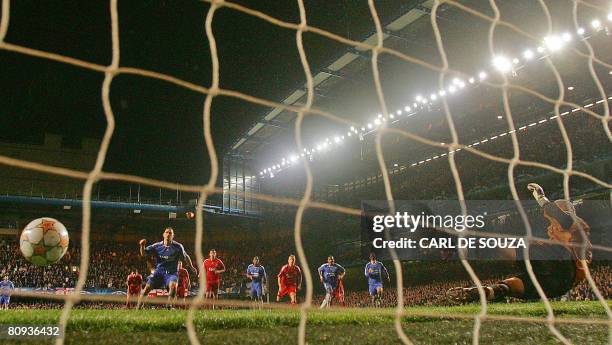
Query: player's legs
[145,291]
[171,293]
[328,296]
[379,292]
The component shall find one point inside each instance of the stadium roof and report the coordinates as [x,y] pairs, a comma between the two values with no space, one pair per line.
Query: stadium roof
[277,120]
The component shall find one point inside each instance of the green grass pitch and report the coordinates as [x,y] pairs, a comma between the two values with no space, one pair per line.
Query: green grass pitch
[348,326]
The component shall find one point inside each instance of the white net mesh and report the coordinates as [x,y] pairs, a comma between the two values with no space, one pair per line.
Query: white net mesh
[114,69]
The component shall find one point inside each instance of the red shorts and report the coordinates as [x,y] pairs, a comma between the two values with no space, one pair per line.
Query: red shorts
[134,290]
[339,292]
[181,291]
[286,290]
[213,286]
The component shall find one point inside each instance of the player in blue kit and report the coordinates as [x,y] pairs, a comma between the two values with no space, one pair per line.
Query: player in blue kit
[374,270]
[331,275]
[167,254]
[257,274]
[6,288]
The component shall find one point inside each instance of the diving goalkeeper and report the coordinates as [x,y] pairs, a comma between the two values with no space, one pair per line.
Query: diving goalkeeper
[557,267]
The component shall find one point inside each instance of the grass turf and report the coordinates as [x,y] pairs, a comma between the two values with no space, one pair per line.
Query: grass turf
[350,326]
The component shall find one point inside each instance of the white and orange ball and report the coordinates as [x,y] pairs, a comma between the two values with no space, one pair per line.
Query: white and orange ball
[44,241]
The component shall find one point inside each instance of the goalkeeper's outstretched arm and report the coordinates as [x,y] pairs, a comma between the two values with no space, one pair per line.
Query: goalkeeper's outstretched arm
[550,208]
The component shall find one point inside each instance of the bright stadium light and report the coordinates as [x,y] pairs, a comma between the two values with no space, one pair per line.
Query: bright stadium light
[553,43]
[399,112]
[379,116]
[424,101]
[566,37]
[377,122]
[482,75]
[319,147]
[352,128]
[461,84]
[596,24]
[502,64]
[362,129]
[540,49]
[528,54]
[580,31]
[471,80]
[418,98]
[442,93]
[456,81]
[452,89]
[336,140]
[348,134]
[271,175]
[515,61]
[610,16]
[369,126]
[433,97]
[570,88]
[325,145]
[391,116]
[407,108]
[415,105]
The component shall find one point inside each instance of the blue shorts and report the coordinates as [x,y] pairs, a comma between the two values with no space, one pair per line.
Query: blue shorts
[161,279]
[256,290]
[372,287]
[5,300]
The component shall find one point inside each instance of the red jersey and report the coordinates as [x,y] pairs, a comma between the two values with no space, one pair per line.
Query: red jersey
[134,280]
[183,278]
[290,275]
[210,266]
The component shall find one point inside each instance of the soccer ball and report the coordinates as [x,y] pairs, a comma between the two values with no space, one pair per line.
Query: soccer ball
[44,241]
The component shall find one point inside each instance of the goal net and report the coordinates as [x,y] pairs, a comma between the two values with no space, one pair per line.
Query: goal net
[581,34]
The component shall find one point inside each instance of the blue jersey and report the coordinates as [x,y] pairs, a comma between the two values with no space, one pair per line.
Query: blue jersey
[167,257]
[257,272]
[330,273]
[375,272]
[6,287]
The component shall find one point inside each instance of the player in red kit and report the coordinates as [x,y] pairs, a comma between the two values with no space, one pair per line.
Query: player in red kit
[134,284]
[213,267]
[289,280]
[182,290]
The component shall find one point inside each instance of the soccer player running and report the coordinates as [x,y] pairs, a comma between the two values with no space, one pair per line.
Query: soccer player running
[257,274]
[374,271]
[331,274]
[289,280]
[182,290]
[6,289]
[134,285]
[213,267]
[167,254]
[558,267]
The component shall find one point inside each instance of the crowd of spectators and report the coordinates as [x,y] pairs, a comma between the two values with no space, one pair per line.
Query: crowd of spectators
[110,264]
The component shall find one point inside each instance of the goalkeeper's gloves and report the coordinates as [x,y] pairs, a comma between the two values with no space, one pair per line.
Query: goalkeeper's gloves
[538,193]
